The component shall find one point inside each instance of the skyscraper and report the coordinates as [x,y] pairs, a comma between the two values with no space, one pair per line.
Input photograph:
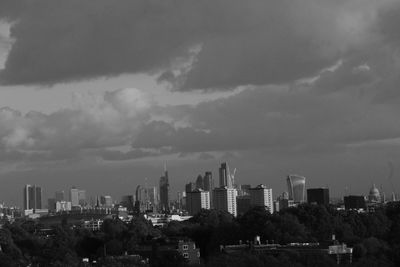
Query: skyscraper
[32,197]
[296,188]
[164,191]
[200,182]
[224,198]
[209,186]
[261,196]
[208,182]
[225,177]
[146,198]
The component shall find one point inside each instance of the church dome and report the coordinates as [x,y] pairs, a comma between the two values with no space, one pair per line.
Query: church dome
[374,194]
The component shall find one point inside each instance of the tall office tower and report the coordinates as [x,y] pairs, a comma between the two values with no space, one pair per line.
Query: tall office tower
[82,198]
[297,188]
[197,200]
[152,196]
[60,196]
[261,196]
[225,178]
[224,198]
[74,196]
[208,182]
[164,191]
[200,182]
[318,196]
[209,186]
[32,197]
[189,187]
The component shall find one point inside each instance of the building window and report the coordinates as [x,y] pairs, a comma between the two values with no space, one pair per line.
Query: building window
[186,255]
[185,247]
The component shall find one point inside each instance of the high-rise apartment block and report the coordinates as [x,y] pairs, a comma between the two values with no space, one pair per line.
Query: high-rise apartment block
[296,188]
[197,200]
[261,196]
[224,198]
[32,197]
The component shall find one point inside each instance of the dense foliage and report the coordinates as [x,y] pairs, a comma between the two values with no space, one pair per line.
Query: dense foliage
[375,238]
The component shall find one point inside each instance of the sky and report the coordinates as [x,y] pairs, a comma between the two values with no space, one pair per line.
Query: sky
[99,94]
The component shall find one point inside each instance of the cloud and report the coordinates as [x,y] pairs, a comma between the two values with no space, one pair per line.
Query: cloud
[238,43]
[274,119]
[108,122]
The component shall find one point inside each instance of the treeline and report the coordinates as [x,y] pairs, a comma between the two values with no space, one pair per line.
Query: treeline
[375,238]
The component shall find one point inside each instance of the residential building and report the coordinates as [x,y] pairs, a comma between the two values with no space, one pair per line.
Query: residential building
[224,198]
[197,200]
[261,196]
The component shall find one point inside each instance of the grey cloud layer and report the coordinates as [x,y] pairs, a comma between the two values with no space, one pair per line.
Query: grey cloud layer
[251,42]
[276,119]
[92,124]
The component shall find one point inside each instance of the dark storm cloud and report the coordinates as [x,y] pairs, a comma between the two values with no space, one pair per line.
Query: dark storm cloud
[241,42]
[275,119]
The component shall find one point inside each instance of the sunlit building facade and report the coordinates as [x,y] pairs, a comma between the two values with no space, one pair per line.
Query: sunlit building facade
[296,188]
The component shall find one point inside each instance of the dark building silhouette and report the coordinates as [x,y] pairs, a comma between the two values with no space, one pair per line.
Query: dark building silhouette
[208,182]
[32,197]
[243,204]
[190,187]
[200,182]
[225,178]
[354,202]
[164,191]
[318,196]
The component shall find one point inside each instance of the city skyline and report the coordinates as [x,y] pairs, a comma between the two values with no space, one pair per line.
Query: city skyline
[119,192]
[99,94]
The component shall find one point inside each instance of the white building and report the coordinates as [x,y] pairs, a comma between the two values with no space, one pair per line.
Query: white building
[225,199]
[261,196]
[63,206]
[197,200]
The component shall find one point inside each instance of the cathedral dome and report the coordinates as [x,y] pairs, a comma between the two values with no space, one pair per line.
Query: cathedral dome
[374,194]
